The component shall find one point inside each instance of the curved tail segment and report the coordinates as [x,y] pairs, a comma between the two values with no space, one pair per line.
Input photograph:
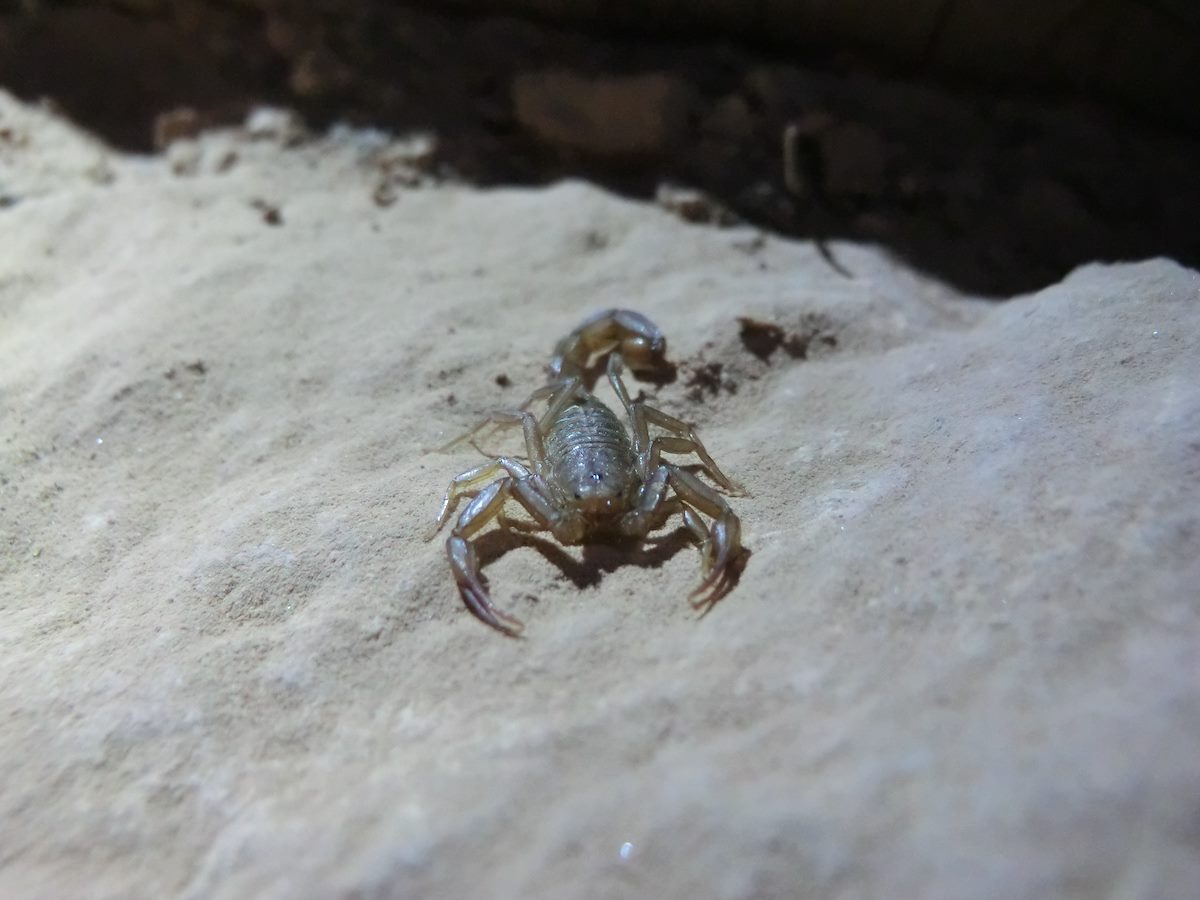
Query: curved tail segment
[638,340]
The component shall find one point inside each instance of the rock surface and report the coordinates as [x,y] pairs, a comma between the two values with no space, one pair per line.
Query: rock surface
[963,660]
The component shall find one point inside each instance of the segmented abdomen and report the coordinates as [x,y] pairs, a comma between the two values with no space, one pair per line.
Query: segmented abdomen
[589,451]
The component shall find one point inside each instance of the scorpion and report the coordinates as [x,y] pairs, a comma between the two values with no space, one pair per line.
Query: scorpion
[585,478]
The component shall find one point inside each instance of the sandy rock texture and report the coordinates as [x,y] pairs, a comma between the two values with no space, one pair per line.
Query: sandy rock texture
[963,660]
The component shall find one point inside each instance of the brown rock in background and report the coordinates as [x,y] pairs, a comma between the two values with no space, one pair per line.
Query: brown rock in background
[637,115]
[1137,52]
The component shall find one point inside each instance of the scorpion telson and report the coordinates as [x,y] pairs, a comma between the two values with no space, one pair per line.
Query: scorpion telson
[585,478]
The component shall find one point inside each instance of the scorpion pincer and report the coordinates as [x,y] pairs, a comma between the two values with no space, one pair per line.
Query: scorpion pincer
[585,478]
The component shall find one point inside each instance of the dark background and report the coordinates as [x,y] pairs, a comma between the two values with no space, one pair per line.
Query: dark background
[995,145]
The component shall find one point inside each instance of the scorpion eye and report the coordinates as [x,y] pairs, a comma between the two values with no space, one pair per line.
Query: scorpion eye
[596,476]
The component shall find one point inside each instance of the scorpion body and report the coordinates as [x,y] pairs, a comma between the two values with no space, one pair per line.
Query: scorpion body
[590,458]
[585,477]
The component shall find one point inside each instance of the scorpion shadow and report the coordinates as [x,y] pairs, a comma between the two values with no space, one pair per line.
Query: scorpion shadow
[599,559]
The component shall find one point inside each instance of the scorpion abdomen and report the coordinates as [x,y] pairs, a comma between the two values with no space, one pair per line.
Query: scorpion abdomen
[591,459]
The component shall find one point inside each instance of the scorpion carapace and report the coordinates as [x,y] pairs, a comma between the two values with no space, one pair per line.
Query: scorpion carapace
[585,478]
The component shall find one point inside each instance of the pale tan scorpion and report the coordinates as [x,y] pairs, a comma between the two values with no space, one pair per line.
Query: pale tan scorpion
[584,477]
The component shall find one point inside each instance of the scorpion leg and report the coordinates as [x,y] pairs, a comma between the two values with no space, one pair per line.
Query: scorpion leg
[499,418]
[683,440]
[468,484]
[722,543]
[559,394]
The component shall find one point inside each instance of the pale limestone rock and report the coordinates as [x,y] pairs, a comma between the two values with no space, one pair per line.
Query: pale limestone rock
[964,659]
